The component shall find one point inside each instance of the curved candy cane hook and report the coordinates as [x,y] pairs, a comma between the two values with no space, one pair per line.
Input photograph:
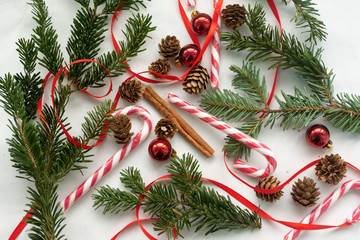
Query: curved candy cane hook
[116,158]
[234,133]
[327,203]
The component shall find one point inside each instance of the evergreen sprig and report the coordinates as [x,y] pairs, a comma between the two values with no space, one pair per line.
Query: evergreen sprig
[183,202]
[282,50]
[46,38]
[307,17]
[39,149]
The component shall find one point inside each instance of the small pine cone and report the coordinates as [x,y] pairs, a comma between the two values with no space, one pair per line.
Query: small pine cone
[304,192]
[269,183]
[197,80]
[331,169]
[131,91]
[121,125]
[160,66]
[165,129]
[233,15]
[169,47]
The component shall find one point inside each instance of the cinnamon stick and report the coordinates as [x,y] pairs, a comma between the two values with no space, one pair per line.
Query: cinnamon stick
[184,128]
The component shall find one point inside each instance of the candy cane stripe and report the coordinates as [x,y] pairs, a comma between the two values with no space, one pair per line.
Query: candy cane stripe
[234,133]
[326,204]
[115,159]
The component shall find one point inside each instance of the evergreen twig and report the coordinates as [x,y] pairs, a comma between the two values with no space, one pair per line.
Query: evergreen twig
[184,202]
[306,17]
[39,148]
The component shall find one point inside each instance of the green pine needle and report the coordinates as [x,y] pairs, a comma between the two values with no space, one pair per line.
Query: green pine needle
[183,202]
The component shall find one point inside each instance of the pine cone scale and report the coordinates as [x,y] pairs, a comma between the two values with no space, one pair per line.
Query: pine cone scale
[197,80]
[331,169]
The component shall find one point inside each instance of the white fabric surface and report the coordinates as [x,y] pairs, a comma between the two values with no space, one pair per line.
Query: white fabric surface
[342,53]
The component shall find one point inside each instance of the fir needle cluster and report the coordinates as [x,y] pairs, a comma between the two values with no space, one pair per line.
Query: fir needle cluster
[39,148]
[283,50]
[182,203]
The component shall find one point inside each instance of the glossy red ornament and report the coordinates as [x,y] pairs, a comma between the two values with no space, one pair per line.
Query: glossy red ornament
[318,135]
[160,149]
[200,23]
[188,54]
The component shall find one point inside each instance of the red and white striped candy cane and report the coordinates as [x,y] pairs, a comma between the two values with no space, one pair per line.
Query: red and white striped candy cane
[328,202]
[234,133]
[116,158]
[191,3]
[215,54]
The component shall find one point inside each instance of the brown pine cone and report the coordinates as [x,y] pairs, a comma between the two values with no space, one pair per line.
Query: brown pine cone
[304,192]
[169,47]
[160,66]
[131,91]
[233,15]
[269,183]
[331,169]
[165,129]
[121,126]
[197,80]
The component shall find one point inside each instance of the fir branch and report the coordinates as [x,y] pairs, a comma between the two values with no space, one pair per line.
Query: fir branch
[132,180]
[182,203]
[112,5]
[214,212]
[47,216]
[46,38]
[227,105]
[237,149]
[247,79]
[185,174]
[284,50]
[137,31]
[29,81]
[138,28]
[298,110]
[87,33]
[347,116]
[95,121]
[114,200]
[306,17]
[12,97]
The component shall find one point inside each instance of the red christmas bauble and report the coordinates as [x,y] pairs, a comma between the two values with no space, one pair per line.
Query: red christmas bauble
[318,135]
[160,149]
[188,54]
[200,23]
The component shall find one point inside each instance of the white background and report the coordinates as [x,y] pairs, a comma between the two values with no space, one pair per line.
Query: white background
[341,53]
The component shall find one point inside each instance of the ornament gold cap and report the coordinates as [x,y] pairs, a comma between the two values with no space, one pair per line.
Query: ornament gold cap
[194,13]
[329,145]
[177,61]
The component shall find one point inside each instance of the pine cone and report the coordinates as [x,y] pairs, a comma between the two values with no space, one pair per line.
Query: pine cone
[331,169]
[233,15]
[121,126]
[160,66]
[165,129]
[131,91]
[169,47]
[197,80]
[269,183]
[304,192]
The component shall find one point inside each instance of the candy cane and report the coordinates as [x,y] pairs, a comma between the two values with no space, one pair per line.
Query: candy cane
[234,133]
[116,158]
[191,3]
[328,202]
[215,54]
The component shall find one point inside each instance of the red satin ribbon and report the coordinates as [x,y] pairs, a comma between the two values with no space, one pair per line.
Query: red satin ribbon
[69,137]
[171,78]
[246,203]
